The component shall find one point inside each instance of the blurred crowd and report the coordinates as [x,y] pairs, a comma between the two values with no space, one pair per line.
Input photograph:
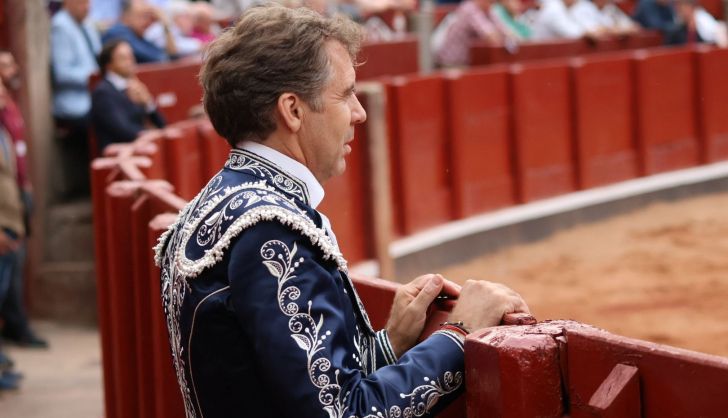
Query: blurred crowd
[510,23]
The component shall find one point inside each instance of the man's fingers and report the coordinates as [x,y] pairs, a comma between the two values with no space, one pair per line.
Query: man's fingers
[451,289]
[428,294]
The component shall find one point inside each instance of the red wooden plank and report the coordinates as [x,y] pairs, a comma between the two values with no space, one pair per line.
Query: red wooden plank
[479,109]
[388,58]
[667,125]
[419,152]
[619,394]
[674,382]
[513,372]
[182,158]
[712,66]
[542,115]
[174,86]
[604,120]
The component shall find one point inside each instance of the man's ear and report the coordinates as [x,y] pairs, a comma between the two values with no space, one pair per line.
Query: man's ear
[290,109]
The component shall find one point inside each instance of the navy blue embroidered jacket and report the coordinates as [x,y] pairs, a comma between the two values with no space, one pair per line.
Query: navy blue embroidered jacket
[264,320]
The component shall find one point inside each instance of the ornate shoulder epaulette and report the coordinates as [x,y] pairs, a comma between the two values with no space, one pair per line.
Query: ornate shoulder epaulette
[212,220]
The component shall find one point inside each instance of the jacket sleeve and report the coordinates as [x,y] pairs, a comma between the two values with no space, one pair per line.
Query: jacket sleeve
[292,306]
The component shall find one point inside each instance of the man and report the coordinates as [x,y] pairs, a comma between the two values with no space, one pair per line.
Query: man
[660,15]
[11,232]
[12,311]
[121,104]
[136,17]
[554,21]
[74,47]
[602,16]
[470,23]
[263,318]
[180,14]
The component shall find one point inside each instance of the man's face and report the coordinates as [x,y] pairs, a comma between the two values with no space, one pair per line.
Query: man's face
[122,61]
[325,135]
[139,17]
[78,9]
[9,71]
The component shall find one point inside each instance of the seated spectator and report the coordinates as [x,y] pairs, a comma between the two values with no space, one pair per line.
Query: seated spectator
[602,16]
[506,14]
[554,21]
[470,22]
[699,25]
[136,17]
[180,16]
[660,15]
[204,27]
[121,104]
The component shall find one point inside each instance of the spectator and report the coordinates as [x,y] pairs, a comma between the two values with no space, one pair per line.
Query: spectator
[180,15]
[74,46]
[233,8]
[700,26]
[105,12]
[602,16]
[121,104]
[660,15]
[204,27]
[505,14]
[16,325]
[136,17]
[554,21]
[11,221]
[469,23]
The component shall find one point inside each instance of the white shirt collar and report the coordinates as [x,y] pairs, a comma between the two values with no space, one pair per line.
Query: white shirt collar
[291,166]
[119,82]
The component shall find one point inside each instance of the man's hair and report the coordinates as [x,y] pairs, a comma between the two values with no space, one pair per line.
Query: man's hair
[107,53]
[271,50]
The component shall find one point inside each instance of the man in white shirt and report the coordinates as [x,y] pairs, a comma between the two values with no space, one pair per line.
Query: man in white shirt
[554,21]
[602,16]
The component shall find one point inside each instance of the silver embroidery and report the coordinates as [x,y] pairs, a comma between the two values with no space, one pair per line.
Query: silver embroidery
[241,160]
[307,333]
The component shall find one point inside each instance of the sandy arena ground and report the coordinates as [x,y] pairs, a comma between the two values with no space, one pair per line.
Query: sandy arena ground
[658,274]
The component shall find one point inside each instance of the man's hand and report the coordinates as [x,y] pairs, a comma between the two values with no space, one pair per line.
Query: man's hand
[482,304]
[409,310]
[7,244]
[138,93]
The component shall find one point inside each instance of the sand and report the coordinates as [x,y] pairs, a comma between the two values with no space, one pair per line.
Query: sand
[659,273]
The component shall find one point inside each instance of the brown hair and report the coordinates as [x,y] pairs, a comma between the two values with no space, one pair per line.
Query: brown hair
[271,50]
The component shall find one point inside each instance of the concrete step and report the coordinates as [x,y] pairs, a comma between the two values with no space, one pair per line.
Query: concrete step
[69,232]
[65,292]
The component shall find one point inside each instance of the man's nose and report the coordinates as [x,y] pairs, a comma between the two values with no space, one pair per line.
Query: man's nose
[358,114]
